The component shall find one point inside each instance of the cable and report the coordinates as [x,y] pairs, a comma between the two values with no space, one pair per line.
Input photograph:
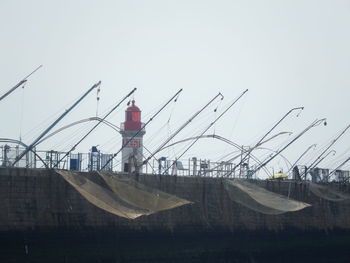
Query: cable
[21,114]
[142,128]
[210,125]
[97,124]
[33,144]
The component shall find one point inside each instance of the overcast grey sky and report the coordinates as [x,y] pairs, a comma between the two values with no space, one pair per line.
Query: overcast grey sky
[287,53]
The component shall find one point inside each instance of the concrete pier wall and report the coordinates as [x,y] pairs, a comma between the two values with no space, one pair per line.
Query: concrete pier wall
[44,219]
[42,199]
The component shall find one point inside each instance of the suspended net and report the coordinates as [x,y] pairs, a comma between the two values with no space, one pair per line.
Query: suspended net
[259,199]
[327,193]
[101,197]
[140,195]
[114,202]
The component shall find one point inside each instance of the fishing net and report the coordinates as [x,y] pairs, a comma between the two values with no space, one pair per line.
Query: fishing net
[259,199]
[101,197]
[126,202]
[327,193]
[140,195]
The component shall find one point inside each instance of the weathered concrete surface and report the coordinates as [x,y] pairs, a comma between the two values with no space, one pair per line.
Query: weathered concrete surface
[41,199]
[43,219]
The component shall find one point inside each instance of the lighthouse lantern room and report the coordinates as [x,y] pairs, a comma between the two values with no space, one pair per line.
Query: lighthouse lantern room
[132,156]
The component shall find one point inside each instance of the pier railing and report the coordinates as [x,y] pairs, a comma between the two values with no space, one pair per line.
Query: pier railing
[95,160]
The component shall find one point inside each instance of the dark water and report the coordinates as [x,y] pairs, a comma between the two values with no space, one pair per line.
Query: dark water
[115,246]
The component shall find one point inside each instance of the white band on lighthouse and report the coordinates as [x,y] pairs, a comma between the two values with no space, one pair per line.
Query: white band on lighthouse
[132,155]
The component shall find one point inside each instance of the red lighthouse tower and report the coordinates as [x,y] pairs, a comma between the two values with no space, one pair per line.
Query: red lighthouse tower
[132,152]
